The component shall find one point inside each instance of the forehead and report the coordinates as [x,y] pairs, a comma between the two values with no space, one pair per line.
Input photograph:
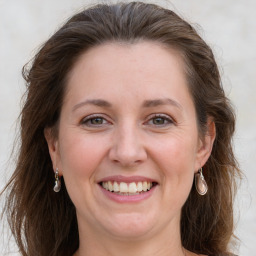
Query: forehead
[137,53]
[144,67]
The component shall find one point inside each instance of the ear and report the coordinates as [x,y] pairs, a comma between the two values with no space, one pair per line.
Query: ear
[53,146]
[205,144]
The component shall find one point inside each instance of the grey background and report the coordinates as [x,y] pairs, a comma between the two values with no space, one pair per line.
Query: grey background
[228,26]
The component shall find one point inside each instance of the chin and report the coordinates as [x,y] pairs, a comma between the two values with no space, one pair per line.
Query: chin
[131,226]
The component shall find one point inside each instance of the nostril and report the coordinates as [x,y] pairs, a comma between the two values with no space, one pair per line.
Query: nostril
[127,151]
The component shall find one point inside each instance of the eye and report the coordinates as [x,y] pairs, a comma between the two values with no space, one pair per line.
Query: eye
[160,120]
[94,121]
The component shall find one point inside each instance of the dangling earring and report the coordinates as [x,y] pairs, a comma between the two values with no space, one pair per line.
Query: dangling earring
[57,185]
[200,183]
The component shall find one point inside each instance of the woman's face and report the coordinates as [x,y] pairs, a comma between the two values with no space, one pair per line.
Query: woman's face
[128,124]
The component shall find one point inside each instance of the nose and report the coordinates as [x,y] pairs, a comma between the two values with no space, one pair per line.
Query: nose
[127,147]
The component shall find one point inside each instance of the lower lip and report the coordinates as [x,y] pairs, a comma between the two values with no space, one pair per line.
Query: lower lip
[128,199]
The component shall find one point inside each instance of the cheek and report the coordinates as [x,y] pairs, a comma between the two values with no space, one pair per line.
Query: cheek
[176,159]
[177,153]
[80,155]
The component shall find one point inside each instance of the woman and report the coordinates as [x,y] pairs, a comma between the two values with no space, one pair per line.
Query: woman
[125,115]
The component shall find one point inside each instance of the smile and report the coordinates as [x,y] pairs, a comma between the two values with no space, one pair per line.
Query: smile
[126,189]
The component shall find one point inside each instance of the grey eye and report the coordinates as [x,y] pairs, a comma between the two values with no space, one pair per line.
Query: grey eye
[159,120]
[96,120]
[92,121]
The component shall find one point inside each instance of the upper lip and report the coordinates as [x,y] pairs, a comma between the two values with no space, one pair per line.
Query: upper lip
[126,179]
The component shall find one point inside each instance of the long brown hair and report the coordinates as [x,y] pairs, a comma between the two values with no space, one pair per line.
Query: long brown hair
[43,222]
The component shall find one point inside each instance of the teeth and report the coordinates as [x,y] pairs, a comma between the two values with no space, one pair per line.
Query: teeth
[144,186]
[139,186]
[132,187]
[110,186]
[123,187]
[127,188]
[116,187]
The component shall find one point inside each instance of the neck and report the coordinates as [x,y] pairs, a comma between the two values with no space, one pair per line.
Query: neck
[130,249]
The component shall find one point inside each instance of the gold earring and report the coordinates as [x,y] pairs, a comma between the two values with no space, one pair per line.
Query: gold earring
[57,185]
[200,183]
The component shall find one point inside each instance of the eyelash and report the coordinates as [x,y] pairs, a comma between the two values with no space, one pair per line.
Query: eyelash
[167,120]
[87,121]
[90,118]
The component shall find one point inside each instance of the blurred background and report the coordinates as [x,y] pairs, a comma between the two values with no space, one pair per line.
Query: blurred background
[229,27]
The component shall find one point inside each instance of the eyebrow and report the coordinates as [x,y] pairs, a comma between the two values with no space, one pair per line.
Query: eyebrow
[160,102]
[146,103]
[95,102]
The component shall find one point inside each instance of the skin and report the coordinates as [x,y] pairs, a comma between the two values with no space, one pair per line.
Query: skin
[125,137]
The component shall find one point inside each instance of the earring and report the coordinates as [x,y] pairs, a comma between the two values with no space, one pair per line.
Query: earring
[57,185]
[200,183]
